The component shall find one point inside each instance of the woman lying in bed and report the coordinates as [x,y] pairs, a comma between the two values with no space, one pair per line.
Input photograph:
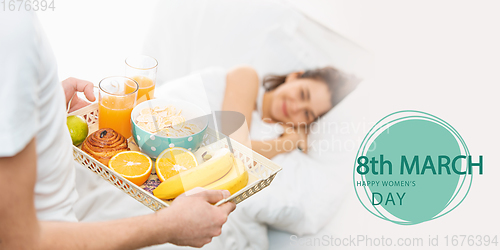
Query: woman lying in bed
[294,101]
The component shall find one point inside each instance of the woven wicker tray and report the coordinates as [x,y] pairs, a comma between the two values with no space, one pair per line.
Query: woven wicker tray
[261,170]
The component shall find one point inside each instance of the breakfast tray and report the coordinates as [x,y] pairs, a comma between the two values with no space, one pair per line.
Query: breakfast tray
[260,169]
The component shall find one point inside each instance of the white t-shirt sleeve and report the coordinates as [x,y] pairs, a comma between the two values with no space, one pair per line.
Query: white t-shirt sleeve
[32,105]
[18,81]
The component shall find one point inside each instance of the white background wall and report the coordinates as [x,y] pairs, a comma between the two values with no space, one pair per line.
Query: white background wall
[92,38]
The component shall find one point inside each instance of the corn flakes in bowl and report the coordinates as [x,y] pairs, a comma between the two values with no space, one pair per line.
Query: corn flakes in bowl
[159,124]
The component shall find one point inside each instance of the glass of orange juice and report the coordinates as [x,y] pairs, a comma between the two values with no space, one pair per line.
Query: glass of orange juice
[117,98]
[142,69]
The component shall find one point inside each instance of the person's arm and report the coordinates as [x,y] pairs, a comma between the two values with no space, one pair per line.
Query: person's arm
[19,228]
[189,220]
[242,87]
[292,139]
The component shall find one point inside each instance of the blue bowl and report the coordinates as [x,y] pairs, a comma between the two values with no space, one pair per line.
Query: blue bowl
[153,144]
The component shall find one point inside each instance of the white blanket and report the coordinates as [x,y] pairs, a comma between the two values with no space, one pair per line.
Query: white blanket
[301,199]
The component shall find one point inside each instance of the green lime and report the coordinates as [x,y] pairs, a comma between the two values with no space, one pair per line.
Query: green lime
[78,129]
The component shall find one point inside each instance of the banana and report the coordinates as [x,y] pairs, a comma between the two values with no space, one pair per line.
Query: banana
[233,181]
[215,168]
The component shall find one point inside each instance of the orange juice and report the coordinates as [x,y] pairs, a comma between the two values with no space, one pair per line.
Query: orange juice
[146,88]
[114,112]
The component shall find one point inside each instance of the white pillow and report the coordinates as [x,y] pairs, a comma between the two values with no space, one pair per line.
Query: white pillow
[335,137]
[270,36]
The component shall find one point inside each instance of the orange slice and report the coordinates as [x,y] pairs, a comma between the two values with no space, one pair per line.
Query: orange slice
[172,161]
[132,165]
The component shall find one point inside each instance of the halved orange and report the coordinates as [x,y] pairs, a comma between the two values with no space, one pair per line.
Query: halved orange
[174,160]
[132,165]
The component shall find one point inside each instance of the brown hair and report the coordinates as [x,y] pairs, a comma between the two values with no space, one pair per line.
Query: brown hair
[339,83]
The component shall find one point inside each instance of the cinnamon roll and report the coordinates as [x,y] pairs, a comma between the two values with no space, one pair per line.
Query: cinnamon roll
[104,144]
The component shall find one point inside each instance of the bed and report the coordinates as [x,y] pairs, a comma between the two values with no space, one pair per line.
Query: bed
[273,37]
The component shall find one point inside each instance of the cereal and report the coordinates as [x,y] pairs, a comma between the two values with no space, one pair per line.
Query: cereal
[165,121]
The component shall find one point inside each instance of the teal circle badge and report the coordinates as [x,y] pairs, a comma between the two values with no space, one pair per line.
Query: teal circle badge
[411,167]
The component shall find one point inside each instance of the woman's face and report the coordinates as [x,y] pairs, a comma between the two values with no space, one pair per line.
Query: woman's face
[299,100]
